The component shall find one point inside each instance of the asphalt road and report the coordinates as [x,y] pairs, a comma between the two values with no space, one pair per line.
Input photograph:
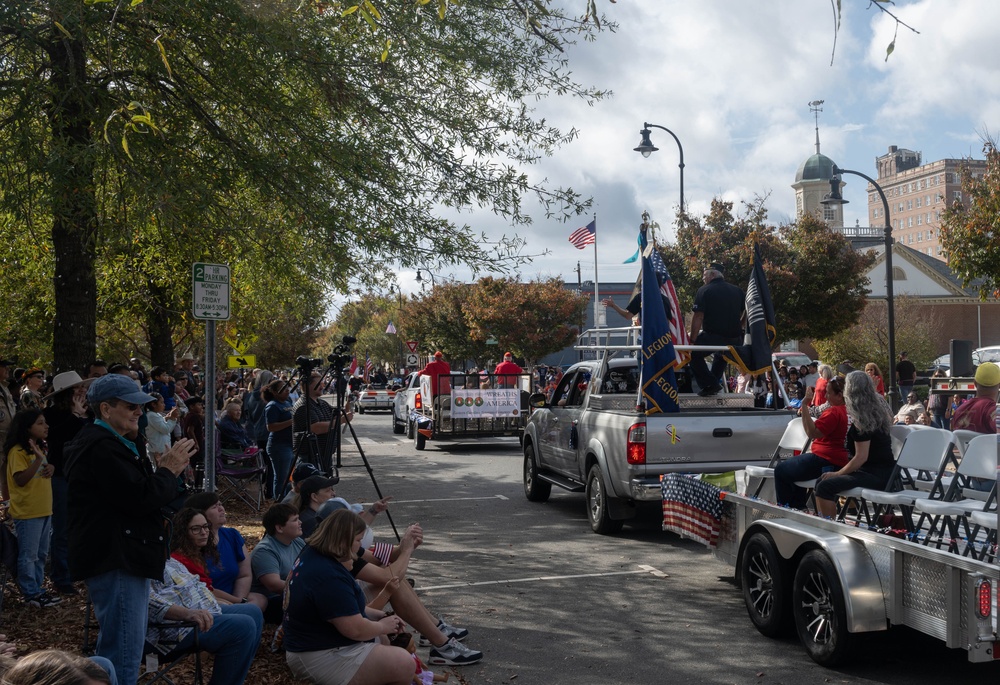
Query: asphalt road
[548,601]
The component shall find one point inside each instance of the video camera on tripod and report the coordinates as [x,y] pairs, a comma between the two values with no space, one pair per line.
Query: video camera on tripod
[341,355]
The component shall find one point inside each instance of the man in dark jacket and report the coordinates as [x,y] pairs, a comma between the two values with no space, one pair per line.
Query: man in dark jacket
[717,321]
[117,536]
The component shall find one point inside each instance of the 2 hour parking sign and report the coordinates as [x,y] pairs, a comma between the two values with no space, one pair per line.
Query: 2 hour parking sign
[210,290]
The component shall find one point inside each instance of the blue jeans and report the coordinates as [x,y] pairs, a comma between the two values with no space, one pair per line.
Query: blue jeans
[121,605]
[233,639]
[59,551]
[108,667]
[281,457]
[805,466]
[32,549]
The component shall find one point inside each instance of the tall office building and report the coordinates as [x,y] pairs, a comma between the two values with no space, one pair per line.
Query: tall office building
[918,195]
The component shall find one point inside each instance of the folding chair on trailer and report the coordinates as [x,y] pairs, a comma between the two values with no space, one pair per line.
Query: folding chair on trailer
[793,440]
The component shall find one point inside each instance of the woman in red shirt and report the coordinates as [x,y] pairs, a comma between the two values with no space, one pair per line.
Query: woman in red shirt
[826,452]
[875,373]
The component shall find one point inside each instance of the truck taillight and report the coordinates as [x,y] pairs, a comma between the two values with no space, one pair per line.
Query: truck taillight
[984,594]
[636,448]
[418,402]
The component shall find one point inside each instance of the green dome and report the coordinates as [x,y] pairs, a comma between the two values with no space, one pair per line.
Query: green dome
[819,167]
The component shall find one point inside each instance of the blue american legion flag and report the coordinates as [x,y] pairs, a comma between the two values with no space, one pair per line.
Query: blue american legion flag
[691,508]
[658,383]
[582,237]
[678,332]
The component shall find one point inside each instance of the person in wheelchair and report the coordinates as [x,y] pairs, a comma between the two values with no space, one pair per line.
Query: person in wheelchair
[229,631]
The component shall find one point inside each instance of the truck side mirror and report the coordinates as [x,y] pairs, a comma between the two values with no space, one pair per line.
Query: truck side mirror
[537,400]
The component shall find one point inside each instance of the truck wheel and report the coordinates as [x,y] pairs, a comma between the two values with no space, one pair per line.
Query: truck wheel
[361,409]
[410,429]
[535,490]
[398,427]
[597,505]
[820,611]
[765,589]
[419,440]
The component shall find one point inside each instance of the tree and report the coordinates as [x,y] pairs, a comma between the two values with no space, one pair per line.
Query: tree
[868,339]
[530,319]
[187,122]
[817,282]
[437,321]
[969,231]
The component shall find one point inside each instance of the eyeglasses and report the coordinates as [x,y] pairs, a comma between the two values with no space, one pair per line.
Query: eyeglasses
[194,530]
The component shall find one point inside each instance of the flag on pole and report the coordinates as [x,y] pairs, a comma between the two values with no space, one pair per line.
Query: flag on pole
[658,383]
[390,329]
[755,358]
[368,367]
[678,333]
[354,365]
[638,250]
[582,237]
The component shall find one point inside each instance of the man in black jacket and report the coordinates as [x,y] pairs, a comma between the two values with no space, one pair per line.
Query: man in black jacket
[717,321]
[118,539]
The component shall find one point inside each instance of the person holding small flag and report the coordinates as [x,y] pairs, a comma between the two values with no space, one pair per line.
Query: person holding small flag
[718,320]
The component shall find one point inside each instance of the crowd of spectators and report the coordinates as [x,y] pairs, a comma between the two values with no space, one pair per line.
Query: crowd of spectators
[100,487]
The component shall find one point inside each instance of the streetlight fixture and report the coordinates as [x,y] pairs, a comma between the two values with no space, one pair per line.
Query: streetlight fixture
[646,148]
[835,198]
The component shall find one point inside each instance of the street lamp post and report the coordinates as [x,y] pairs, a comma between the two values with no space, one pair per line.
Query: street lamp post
[646,148]
[835,198]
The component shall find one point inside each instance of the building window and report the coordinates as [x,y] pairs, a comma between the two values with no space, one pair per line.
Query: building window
[927,200]
[909,204]
[829,213]
[898,274]
[930,234]
[957,194]
[919,202]
[920,219]
[937,216]
[951,177]
[909,222]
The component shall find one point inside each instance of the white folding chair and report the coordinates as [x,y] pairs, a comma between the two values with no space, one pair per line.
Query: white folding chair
[979,461]
[982,523]
[924,453]
[793,440]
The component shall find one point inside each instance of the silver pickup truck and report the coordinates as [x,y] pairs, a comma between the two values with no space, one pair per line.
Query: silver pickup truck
[591,437]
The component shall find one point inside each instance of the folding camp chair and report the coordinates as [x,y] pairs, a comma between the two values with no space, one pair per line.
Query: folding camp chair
[243,480]
[159,666]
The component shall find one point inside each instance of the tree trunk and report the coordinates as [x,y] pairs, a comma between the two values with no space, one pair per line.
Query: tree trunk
[74,206]
[161,344]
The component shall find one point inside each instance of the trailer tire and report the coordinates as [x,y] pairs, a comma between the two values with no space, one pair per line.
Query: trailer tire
[419,440]
[597,505]
[766,593]
[534,489]
[820,610]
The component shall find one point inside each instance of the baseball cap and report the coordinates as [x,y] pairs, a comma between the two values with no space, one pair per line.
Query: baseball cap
[335,503]
[988,374]
[303,471]
[439,354]
[508,355]
[314,484]
[115,386]
[715,266]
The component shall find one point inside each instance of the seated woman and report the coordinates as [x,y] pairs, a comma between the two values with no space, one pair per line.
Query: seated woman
[868,443]
[230,571]
[55,666]
[826,452]
[331,638]
[314,491]
[231,632]
[232,434]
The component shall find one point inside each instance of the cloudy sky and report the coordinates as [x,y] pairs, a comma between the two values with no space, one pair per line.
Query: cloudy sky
[733,81]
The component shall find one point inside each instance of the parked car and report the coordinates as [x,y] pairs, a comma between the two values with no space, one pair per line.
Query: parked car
[795,359]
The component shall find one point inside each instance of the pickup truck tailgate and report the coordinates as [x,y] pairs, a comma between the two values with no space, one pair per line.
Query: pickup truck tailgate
[722,440]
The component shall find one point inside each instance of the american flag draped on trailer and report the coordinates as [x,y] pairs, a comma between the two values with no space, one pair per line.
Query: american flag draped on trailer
[691,508]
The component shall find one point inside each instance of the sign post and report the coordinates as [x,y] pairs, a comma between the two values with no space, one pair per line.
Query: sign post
[210,302]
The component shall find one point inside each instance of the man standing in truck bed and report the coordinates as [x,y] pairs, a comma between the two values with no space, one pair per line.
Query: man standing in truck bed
[718,313]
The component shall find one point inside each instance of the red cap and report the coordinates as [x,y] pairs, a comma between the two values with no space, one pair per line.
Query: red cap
[508,354]
[438,355]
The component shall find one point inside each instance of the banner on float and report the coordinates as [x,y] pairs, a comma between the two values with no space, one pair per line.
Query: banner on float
[487,403]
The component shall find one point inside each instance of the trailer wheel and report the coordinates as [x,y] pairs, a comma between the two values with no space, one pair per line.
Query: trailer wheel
[534,489]
[419,440]
[820,611]
[765,588]
[597,505]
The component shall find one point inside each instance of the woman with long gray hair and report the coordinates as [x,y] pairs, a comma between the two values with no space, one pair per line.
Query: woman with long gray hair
[868,444]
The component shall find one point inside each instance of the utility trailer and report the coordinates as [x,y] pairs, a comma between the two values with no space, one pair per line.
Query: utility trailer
[830,581]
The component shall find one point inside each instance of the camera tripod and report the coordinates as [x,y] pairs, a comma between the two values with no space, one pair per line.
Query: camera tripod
[308,449]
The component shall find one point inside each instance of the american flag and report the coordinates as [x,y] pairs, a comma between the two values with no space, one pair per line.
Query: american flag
[691,508]
[677,330]
[368,367]
[354,365]
[582,237]
[390,329]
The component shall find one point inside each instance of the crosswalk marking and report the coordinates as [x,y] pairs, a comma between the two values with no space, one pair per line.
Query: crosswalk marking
[535,579]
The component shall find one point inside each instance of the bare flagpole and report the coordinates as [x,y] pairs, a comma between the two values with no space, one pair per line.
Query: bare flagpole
[597,295]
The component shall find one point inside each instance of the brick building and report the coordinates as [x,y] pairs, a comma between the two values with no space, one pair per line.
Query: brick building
[917,194]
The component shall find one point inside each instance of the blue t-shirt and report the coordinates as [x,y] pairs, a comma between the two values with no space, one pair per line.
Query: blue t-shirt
[224,573]
[276,412]
[319,589]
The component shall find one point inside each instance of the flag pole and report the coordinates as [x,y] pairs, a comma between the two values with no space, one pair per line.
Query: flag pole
[597,295]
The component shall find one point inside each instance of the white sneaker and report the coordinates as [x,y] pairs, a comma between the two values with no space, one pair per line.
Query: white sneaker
[453,653]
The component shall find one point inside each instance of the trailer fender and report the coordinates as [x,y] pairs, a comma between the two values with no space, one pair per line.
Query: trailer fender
[618,508]
[855,569]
